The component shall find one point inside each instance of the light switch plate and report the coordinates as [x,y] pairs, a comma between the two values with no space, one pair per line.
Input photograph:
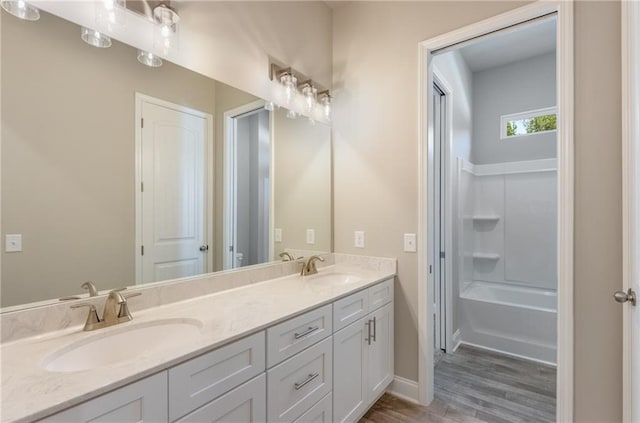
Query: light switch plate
[13,243]
[410,243]
[311,236]
[358,239]
[277,234]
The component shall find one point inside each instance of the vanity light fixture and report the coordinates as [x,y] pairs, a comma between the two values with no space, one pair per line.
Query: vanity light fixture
[166,31]
[94,38]
[290,84]
[149,59]
[21,9]
[111,15]
[306,98]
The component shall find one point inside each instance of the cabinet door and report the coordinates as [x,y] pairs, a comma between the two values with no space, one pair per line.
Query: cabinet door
[247,404]
[142,401]
[349,371]
[380,352]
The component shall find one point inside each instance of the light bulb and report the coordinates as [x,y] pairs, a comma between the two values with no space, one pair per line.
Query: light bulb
[310,94]
[326,106]
[110,15]
[290,83]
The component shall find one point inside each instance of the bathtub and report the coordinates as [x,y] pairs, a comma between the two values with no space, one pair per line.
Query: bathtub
[514,320]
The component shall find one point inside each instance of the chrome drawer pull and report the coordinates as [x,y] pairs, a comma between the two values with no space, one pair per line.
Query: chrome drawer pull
[306,332]
[375,329]
[299,386]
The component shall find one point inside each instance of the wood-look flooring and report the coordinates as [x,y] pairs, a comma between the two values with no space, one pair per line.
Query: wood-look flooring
[475,385]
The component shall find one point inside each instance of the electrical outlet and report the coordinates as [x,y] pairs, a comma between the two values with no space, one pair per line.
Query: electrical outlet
[410,243]
[13,243]
[358,239]
[311,236]
[277,234]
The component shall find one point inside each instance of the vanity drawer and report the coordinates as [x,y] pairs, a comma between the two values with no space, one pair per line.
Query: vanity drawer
[319,413]
[142,401]
[380,294]
[350,309]
[247,403]
[294,335]
[297,384]
[204,378]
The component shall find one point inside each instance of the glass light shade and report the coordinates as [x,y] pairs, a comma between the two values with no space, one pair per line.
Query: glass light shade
[310,94]
[149,59]
[21,9]
[326,106]
[165,36]
[111,15]
[290,84]
[95,38]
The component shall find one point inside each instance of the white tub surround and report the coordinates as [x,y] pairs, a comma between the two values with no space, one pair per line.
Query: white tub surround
[507,257]
[30,392]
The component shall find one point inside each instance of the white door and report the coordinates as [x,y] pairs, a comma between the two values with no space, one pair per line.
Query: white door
[349,372]
[630,16]
[173,206]
[380,352]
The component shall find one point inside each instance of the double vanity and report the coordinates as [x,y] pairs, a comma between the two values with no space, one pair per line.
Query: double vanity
[289,349]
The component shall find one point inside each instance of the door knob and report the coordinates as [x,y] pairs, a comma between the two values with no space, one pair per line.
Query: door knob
[204,248]
[623,297]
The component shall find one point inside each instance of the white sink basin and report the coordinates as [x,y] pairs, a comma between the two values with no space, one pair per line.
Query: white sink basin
[337,278]
[122,344]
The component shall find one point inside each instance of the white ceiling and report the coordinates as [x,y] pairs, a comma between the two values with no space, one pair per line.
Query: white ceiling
[510,46]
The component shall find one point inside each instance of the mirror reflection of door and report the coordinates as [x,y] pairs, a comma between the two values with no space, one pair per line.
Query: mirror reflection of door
[173,202]
[249,188]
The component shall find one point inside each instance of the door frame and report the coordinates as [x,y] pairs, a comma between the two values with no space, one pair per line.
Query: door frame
[630,20]
[229,175]
[208,183]
[565,145]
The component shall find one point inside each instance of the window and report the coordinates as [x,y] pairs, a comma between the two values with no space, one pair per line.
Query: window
[528,123]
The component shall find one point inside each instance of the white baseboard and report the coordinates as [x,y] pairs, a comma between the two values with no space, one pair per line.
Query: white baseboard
[523,357]
[405,389]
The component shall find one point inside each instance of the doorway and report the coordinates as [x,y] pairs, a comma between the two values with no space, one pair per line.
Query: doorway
[248,186]
[433,222]
[173,160]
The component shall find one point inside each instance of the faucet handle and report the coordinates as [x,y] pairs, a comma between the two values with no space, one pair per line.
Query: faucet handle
[124,307]
[92,318]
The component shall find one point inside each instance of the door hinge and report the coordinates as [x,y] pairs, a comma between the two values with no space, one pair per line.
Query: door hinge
[231,248]
[141,122]
[430,269]
[141,186]
[441,254]
[142,250]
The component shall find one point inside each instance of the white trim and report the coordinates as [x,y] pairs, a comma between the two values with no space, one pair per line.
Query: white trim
[457,340]
[228,175]
[524,115]
[445,86]
[630,20]
[405,389]
[565,143]
[209,227]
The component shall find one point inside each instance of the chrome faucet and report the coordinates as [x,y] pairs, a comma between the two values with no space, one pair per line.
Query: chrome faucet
[115,311]
[286,256]
[93,291]
[309,268]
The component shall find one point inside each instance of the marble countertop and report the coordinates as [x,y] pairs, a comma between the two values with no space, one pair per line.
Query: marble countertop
[30,392]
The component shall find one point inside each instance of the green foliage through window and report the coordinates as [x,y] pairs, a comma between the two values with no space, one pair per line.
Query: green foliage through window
[531,125]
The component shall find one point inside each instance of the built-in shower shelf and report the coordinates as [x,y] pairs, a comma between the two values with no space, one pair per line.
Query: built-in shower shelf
[485,218]
[485,256]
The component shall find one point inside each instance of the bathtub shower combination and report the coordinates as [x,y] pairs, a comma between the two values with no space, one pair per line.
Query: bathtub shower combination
[506,258]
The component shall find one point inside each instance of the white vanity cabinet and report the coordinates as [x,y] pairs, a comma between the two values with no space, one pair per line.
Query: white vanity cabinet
[328,364]
[363,357]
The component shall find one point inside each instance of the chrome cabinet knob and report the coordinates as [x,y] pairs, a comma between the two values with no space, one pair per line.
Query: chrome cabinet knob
[623,297]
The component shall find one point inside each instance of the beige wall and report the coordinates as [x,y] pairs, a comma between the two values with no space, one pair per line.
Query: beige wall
[375,140]
[302,180]
[68,162]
